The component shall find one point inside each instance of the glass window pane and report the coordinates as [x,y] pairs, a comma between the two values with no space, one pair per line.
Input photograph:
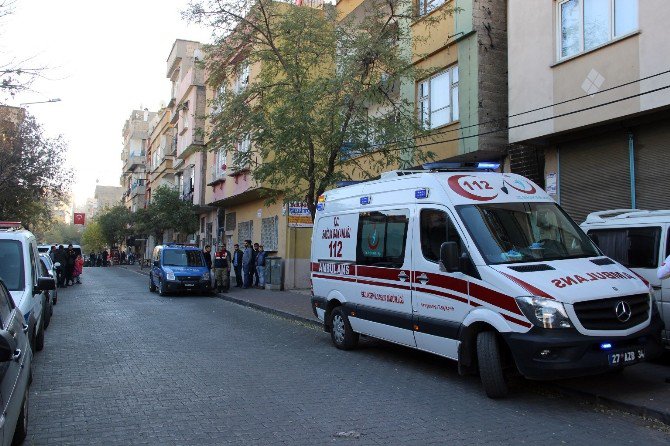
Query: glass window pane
[454,101]
[570,28]
[597,23]
[433,233]
[440,117]
[439,92]
[625,17]
[454,75]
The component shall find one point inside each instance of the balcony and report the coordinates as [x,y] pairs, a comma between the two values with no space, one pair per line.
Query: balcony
[138,187]
[217,175]
[134,161]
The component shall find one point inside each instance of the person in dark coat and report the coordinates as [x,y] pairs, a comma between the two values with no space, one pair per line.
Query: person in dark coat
[248,264]
[70,259]
[254,270]
[60,258]
[237,265]
[105,255]
[207,253]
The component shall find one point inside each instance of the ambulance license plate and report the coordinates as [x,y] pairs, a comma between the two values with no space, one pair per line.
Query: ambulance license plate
[626,357]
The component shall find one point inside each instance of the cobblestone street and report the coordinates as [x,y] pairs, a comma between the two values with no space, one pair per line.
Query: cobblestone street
[124,366]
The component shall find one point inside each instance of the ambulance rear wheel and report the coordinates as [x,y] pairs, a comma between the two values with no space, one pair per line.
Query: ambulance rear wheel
[341,333]
[490,365]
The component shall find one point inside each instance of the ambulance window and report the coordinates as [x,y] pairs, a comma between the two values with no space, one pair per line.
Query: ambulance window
[436,228]
[382,238]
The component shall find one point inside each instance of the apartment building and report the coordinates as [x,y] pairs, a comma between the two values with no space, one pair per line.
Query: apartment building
[187,110]
[589,92]
[133,179]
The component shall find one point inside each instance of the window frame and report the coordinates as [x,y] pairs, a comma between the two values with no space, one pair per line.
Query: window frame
[453,86]
[658,234]
[451,226]
[384,259]
[422,6]
[613,37]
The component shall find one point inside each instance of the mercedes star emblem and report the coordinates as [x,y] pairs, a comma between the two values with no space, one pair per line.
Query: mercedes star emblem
[623,311]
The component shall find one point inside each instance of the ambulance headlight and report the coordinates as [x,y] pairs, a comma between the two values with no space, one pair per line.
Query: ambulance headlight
[543,312]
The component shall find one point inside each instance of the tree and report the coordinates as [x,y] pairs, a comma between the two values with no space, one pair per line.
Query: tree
[92,239]
[60,233]
[32,172]
[166,211]
[326,105]
[115,224]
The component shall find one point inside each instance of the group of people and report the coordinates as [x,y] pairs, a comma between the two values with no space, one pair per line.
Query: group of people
[70,265]
[248,264]
[98,259]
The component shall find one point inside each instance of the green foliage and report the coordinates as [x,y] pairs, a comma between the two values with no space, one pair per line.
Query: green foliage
[326,105]
[61,233]
[31,170]
[115,224]
[92,238]
[166,211]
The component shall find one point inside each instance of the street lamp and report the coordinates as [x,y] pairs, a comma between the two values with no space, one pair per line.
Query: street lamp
[41,102]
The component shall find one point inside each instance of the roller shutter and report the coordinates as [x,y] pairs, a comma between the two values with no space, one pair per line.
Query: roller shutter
[594,174]
[652,166]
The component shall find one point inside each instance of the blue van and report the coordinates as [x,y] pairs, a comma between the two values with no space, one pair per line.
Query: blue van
[178,268]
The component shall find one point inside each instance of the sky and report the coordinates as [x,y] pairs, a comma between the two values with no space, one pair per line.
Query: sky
[105,59]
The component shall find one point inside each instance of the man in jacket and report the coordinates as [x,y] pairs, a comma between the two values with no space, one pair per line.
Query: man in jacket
[247,263]
[222,269]
[207,252]
[70,259]
[237,264]
[60,258]
[260,266]
[254,270]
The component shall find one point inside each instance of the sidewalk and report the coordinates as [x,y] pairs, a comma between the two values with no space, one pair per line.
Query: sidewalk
[641,389]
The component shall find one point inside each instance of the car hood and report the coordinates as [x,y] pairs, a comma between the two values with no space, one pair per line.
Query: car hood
[573,280]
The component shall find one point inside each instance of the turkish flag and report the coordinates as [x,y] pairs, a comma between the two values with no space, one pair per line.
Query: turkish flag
[79,218]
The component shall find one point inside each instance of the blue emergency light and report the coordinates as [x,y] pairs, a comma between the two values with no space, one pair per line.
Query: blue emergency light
[421,193]
[365,200]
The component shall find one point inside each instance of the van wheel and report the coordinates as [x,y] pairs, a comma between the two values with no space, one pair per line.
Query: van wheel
[21,431]
[490,365]
[39,339]
[152,287]
[341,333]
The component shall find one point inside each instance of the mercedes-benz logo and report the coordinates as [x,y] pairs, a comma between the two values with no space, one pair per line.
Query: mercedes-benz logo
[623,311]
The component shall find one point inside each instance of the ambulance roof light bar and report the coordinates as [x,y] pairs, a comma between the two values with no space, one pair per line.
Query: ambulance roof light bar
[11,225]
[462,167]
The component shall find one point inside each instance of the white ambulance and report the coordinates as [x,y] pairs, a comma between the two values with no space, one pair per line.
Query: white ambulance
[480,267]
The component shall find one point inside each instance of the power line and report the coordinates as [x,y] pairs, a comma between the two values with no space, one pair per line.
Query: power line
[544,107]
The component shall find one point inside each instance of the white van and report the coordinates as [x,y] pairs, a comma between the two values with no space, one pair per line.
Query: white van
[21,272]
[639,240]
[483,268]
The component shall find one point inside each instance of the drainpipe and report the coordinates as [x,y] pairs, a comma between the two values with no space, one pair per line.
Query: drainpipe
[631,156]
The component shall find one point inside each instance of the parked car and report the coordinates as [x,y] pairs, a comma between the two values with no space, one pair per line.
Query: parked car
[480,267]
[178,268]
[21,271]
[15,370]
[51,268]
[639,240]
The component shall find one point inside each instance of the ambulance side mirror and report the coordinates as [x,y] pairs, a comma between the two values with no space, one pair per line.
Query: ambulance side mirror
[449,260]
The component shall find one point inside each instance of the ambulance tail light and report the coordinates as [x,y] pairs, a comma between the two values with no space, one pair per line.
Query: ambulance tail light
[544,313]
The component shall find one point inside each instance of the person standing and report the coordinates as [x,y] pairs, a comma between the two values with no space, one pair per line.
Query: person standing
[207,252]
[254,269]
[237,264]
[60,258]
[78,268]
[70,259]
[222,269]
[52,254]
[105,255]
[260,266]
[247,264]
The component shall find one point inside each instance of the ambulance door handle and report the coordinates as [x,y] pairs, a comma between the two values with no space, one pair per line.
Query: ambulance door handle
[656,287]
[403,276]
[423,278]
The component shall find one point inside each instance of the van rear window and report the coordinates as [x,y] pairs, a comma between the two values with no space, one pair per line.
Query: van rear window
[381,238]
[632,247]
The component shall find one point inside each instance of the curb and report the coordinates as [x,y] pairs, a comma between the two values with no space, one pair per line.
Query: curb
[593,398]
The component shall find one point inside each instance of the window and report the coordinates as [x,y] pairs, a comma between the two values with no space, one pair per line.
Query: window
[231,221]
[270,233]
[632,247]
[426,6]
[5,308]
[587,24]
[436,228]
[381,238]
[242,79]
[245,231]
[437,99]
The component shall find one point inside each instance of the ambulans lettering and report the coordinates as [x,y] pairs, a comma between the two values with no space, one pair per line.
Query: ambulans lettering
[391,298]
[335,268]
[589,277]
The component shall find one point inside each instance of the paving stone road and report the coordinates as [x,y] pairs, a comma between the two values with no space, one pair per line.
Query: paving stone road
[125,366]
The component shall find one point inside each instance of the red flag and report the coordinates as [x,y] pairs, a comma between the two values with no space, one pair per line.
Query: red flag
[79,218]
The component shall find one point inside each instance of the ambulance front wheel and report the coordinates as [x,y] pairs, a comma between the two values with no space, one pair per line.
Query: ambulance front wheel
[490,365]
[341,333]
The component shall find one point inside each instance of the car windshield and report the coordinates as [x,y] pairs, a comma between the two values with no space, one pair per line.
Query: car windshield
[11,265]
[182,257]
[525,232]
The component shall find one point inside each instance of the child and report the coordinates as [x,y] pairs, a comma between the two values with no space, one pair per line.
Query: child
[78,268]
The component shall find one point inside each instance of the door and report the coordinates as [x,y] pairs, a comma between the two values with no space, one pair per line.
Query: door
[663,295]
[12,374]
[155,267]
[383,302]
[439,298]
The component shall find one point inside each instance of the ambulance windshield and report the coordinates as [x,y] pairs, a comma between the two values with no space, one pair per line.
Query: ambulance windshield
[525,232]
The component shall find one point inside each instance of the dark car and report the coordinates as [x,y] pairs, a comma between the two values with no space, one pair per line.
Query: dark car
[178,268]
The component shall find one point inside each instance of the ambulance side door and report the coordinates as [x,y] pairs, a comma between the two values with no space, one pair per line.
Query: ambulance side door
[439,298]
